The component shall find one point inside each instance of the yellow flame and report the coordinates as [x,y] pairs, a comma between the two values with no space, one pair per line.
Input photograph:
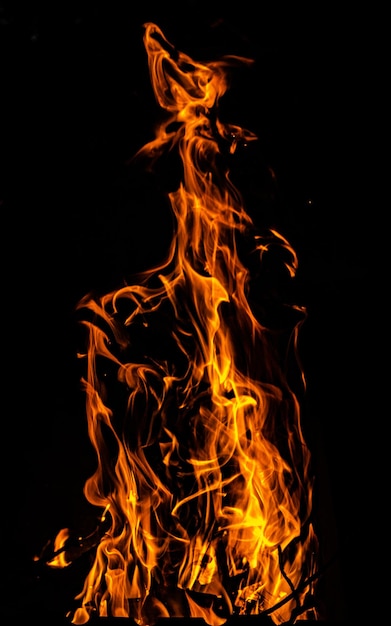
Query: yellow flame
[202,467]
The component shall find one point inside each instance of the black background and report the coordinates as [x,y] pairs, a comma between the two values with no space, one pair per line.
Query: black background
[77,103]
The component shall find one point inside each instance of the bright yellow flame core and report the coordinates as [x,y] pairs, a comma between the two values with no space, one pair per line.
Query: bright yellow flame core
[204,470]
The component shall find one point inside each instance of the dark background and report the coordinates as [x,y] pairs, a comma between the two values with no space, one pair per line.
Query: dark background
[77,103]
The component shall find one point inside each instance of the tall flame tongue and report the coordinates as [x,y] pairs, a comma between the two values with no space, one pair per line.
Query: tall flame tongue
[203,471]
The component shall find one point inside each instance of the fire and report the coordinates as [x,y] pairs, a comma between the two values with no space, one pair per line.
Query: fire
[203,473]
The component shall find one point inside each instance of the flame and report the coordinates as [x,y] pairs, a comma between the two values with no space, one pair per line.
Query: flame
[60,559]
[202,470]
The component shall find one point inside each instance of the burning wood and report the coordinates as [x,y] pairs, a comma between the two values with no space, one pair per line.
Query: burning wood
[202,472]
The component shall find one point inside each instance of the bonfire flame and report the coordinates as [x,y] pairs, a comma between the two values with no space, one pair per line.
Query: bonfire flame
[202,468]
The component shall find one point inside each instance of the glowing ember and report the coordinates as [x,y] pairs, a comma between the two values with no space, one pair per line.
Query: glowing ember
[203,474]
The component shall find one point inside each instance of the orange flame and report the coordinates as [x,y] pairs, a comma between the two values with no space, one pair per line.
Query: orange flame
[202,466]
